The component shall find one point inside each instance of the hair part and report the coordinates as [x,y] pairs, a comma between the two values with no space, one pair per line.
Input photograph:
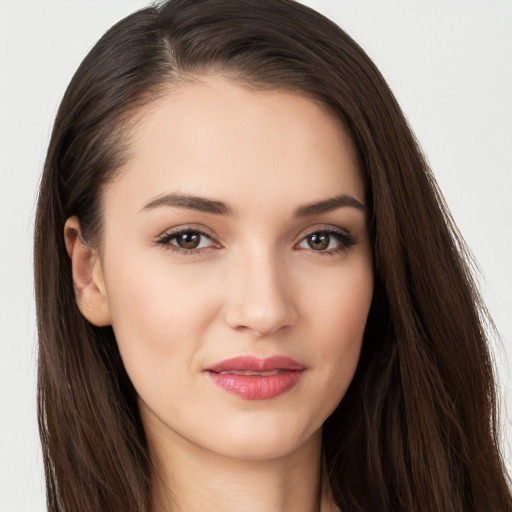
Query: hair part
[417,428]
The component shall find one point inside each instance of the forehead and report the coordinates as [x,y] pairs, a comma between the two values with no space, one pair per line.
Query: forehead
[218,139]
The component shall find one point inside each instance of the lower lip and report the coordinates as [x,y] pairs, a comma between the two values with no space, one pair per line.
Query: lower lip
[257,387]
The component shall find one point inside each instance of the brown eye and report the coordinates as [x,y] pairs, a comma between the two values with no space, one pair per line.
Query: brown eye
[319,241]
[188,240]
[328,241]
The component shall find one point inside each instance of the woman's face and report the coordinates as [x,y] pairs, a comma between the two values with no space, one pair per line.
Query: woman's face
[237,268]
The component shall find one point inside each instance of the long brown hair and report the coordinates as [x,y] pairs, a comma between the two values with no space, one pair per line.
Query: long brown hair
[417,429]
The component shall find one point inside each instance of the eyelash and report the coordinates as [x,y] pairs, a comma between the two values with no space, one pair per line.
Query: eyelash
[346,240]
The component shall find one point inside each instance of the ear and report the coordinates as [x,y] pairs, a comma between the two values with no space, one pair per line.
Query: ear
[88,282]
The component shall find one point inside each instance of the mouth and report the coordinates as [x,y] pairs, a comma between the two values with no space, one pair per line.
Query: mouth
[252,378]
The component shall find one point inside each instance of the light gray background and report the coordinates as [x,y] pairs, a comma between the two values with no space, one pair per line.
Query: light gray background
[449,64]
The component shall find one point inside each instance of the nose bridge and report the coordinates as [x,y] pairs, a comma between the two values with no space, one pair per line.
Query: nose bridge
[259,294]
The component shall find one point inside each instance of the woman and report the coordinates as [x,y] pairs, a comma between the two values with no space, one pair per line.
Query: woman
[250,294]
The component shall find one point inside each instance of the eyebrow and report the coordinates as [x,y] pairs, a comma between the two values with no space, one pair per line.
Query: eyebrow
[203,204]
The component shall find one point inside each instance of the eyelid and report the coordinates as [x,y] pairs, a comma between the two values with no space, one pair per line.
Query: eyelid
[325,228]
[203,230]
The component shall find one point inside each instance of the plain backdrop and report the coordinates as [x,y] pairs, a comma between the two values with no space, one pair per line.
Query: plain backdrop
[448,62]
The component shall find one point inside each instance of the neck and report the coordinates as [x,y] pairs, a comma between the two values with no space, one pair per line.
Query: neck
[191,479]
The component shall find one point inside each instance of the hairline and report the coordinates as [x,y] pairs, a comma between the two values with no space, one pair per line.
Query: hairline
[143,104]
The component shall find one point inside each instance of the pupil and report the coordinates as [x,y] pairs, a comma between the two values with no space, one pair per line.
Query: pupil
[188,240]
[319,242]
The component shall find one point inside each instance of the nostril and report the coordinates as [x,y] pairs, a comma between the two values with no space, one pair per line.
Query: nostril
[260,323]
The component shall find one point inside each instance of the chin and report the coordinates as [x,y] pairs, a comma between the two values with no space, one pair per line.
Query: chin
[263,443]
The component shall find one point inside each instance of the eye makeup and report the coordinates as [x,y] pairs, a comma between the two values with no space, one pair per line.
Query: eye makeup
[325,241]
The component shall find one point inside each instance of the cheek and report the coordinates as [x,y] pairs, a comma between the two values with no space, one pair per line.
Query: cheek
[341,306]
[157,313]
[340,316]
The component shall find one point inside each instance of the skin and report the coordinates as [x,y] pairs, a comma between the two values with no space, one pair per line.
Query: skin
[257,287]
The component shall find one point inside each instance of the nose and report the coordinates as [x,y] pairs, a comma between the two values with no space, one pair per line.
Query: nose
[260,298]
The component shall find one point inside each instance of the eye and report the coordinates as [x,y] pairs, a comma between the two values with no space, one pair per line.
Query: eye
[186,240]
[193,241]
[327,241]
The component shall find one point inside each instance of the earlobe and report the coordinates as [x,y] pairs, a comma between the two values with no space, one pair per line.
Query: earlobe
[88,282]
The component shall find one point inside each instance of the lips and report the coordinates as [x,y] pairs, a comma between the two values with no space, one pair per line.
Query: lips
[252,378]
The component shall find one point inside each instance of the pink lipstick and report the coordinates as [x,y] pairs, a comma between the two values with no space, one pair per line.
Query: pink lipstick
[256,379]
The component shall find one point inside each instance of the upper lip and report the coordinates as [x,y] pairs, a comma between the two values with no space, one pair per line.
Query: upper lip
[255,364]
